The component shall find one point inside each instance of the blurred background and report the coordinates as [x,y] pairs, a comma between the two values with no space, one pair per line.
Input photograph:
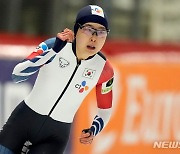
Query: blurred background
[143,47]
[150,20]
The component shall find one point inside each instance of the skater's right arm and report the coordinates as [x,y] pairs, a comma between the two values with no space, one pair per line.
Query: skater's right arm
[33,62]
[44,54]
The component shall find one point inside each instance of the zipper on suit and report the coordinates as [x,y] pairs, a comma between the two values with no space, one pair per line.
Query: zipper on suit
[67,85]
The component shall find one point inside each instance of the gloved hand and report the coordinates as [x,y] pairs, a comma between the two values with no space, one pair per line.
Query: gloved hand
[86,136]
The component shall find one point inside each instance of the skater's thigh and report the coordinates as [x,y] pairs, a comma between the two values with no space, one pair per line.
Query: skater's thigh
[14,132]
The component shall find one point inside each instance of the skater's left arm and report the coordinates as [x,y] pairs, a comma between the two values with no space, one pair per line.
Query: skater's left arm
[104,104]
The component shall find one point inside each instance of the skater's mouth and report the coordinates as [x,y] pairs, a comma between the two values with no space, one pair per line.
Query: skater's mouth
[91,47]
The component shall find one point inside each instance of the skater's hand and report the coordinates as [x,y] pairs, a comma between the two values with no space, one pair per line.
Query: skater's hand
[86,136]
[66,35]
[62,38]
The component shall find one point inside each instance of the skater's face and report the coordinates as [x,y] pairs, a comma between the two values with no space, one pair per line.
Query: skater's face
[90,38]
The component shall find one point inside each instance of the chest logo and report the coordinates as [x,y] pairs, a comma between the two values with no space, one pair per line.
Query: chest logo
[89,73]
[63,62]
[82,87]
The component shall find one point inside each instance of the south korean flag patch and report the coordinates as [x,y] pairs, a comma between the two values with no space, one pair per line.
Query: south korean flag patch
[107,86]
[89,73]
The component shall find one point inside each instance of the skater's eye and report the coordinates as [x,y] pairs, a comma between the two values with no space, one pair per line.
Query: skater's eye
[88,30]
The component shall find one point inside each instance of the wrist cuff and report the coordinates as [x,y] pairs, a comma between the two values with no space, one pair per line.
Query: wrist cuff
[58,45]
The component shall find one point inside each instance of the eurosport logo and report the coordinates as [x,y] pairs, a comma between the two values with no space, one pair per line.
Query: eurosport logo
[166,144]
[82,87]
